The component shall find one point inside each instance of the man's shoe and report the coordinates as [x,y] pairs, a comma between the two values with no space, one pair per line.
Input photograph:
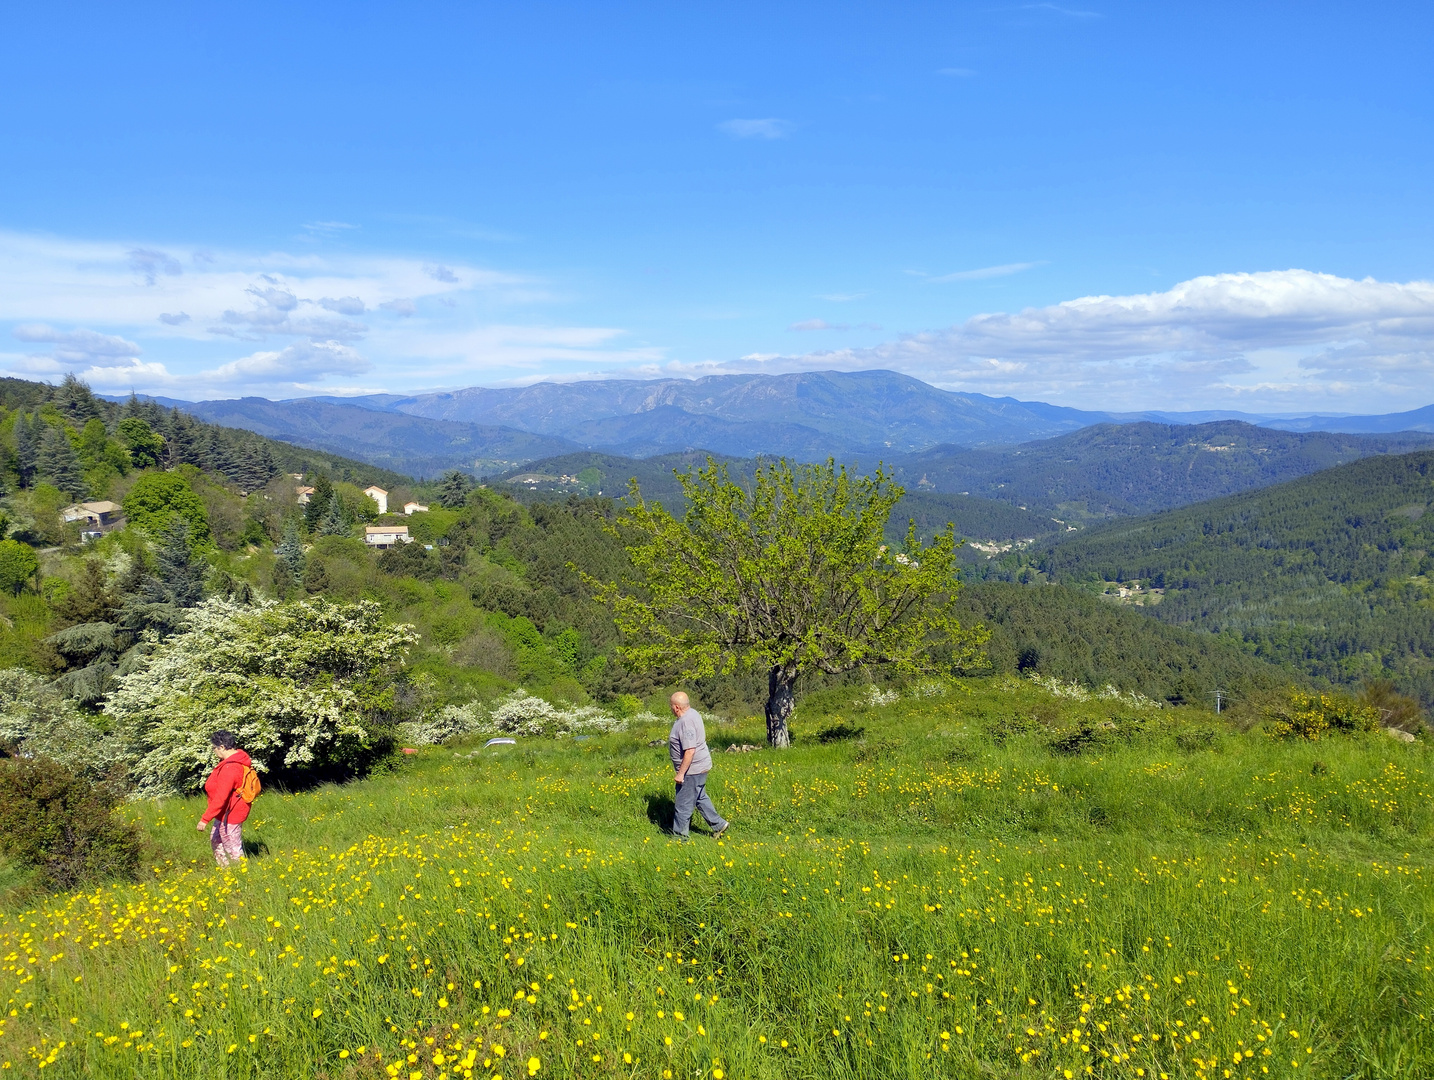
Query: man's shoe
[722,831]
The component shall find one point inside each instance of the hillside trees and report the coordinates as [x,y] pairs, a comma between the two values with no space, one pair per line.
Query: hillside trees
[791,574]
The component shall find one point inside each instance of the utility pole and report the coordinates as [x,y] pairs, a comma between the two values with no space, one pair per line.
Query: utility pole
[1219,696]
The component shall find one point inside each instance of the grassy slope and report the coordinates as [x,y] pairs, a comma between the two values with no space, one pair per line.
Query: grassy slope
[1328,573]
[942,896]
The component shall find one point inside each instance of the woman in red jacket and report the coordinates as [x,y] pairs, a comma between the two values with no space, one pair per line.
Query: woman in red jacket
[227,809]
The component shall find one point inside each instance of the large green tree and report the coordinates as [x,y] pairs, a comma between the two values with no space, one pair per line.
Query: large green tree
[158,498]
[18,564]
[786,575]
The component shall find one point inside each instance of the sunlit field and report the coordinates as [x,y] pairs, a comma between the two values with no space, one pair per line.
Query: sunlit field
[990,882]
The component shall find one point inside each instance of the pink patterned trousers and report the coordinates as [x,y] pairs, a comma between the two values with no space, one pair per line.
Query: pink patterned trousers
[227,842]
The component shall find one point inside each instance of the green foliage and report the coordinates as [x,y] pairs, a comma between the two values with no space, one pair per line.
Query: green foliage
[1069,634]
[453,489]
[59,464]
[306,687]
[157,498]
[409,560]
[1328,574]
[144,444]
[18,565]
[1305,715]
[789,575]
[38,721]
[65,826]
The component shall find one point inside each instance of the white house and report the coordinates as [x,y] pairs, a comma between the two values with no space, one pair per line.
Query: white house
[411,508]
[386,536]
[378,495]
[303,494]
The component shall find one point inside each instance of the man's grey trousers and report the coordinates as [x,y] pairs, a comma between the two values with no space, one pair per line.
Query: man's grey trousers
[692,795]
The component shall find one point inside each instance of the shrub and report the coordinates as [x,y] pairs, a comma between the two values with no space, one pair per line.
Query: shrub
[521,713]
[307,688]
[37,720]
[1304,715]
[63,825]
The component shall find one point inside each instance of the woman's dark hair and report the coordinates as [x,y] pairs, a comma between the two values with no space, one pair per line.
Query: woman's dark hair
[224,740]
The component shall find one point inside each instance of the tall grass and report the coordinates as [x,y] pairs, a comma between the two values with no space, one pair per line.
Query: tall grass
[991,883]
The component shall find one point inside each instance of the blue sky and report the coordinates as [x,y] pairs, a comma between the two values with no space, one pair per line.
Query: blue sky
[1122,205]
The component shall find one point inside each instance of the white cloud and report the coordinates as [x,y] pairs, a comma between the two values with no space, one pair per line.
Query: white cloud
[344,305]
[150,264]
[193,327]
[303,361]
[768,128]
[76,346]
[984,272]
[1277,340]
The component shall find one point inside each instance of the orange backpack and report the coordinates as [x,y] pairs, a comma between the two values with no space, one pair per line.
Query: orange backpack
[249,786]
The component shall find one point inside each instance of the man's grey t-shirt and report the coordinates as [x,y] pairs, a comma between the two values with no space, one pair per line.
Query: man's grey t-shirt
[689,734]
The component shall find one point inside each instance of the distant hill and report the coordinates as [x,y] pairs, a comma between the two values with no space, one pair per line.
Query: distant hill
[997,525]
[810,414]
[407,444]
[1115,470]
[1331,573]
[1074,636]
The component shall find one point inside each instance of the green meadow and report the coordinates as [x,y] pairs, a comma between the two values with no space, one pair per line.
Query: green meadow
[978,879]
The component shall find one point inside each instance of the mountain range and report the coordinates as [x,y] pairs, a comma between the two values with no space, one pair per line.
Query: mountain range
[808,416]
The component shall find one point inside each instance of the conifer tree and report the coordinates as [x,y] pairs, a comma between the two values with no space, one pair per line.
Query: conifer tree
[291,551]
[318,504]
[74,399]
[336,520]
[58,462]
[26,449]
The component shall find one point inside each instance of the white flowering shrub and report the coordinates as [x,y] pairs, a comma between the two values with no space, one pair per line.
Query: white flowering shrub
[450,722]
[927,688]
[874,697]
[302,686]
[521,713]
[37,720]
[1076,692]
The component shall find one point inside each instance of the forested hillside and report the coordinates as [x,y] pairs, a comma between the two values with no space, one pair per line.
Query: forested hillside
[104,440]
[1113,470]
[491,585]
[411,445]
[1071,635]
[1330,573]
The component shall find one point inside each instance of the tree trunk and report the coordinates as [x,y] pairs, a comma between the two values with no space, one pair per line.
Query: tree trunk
[781,703]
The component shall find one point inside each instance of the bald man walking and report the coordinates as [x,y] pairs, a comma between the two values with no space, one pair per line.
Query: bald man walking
[691,761]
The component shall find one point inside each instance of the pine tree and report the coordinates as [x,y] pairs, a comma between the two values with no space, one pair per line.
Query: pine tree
[26,450]
[291,551]
[58,462]
[453,491]
[318,504]
[77,403]
[180,573]
[336,520]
